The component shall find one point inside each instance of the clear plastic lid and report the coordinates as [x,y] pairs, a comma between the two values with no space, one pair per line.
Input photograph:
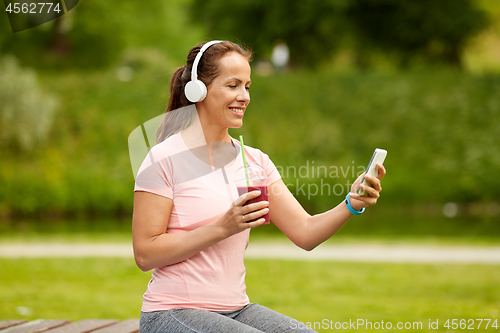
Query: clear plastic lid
[254,172]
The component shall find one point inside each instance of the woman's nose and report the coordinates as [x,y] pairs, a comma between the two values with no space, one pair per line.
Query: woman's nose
[243,96]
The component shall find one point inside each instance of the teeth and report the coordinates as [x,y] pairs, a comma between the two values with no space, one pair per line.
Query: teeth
[236,110]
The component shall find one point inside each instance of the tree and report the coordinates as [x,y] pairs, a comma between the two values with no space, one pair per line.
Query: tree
[434,31]
[313,29]
[431,30]
[95,33]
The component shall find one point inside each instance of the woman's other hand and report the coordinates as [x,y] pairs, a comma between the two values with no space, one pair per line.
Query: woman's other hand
[240,216]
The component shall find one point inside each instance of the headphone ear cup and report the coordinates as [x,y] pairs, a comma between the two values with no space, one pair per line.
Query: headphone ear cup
[195,91]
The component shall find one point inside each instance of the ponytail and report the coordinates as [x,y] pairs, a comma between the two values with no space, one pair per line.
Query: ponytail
[177,82]
[174,122]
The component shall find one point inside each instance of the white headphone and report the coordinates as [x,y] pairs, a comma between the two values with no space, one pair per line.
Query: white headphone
[195,90]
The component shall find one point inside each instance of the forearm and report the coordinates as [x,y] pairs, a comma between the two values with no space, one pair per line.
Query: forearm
[318,228]
[167,248]
[308,231]
[304,230]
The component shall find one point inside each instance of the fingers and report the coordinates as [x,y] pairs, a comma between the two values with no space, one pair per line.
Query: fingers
[249,214]
[243,218]
[381,171]
[374,183]
[360,201]
[254,211]
[372,190]
[253,224]
[245,197]
[369,192]
[241,215]
[374,187]
[255,215]
[358,180]
[246,209]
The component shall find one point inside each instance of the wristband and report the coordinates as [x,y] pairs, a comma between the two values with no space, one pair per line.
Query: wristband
[352,210]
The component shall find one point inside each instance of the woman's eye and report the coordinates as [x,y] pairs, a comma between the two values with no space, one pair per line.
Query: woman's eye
[232,86]
[247,88]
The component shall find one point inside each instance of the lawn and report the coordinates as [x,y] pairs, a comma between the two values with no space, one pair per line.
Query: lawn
[308,291]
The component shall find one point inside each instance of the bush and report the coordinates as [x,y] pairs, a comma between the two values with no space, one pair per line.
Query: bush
[26,112]
[315,30]
[312,29]
[439,127]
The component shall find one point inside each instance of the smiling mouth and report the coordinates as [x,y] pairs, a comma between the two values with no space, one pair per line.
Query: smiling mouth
[237,111]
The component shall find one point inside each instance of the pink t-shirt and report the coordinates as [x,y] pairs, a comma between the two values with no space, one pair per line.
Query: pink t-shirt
[213,279]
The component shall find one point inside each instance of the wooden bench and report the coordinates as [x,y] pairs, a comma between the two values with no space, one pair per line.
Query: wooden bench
[66,326]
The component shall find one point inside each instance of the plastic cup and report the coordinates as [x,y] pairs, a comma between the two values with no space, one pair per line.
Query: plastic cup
[257,180]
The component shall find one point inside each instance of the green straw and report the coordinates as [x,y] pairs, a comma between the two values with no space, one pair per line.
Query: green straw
[244,160]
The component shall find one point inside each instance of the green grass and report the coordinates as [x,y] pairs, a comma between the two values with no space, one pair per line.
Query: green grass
[308,291]
[313,291]
[72,288]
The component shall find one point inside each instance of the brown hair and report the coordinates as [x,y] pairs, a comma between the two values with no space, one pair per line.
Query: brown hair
[208,70]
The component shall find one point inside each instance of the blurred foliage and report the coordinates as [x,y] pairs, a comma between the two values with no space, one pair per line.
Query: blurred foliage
[26,112]
[315,30]
[434,31]
[95,33]
[439,127]
[481,54]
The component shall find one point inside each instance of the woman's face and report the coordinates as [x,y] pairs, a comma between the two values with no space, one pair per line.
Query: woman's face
[228,94]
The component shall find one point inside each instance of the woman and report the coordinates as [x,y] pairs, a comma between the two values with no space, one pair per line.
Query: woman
[190,226]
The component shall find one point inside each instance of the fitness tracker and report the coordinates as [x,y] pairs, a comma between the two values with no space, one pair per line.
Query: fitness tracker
[352,210]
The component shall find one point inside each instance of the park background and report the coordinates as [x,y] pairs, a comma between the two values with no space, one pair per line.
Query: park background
[418,78]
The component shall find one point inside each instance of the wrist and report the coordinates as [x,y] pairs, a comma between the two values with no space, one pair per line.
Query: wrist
[218,230]
[354,210]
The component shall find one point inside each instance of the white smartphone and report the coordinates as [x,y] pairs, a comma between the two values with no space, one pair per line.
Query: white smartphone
[377,157]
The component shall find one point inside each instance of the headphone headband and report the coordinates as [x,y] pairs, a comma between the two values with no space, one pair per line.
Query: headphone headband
[194,71]
[195,90]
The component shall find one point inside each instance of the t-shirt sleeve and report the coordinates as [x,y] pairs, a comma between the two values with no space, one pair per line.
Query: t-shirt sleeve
[271,170]
[154,175]
[258,157]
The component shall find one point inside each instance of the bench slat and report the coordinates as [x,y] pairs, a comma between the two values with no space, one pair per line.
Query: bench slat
[36,326]
[10,323]
[83,326]
[126,326]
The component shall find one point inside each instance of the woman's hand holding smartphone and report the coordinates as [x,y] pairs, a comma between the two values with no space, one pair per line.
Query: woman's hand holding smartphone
[366,189]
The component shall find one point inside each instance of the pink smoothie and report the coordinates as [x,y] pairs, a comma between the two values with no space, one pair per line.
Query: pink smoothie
[262,197]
